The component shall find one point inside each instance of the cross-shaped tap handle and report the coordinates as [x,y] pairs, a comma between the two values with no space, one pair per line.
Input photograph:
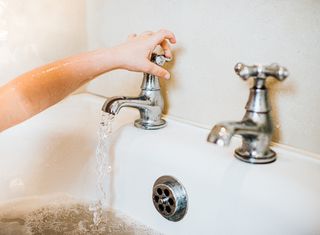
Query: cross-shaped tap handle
[261,72]
[159,59]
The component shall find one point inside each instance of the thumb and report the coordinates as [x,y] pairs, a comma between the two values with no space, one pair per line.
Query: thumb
[158,71]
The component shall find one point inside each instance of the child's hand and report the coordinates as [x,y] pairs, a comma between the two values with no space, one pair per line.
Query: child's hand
[135,53]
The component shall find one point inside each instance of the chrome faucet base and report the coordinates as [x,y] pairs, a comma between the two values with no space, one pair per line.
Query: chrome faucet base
[140,123]
[253,157]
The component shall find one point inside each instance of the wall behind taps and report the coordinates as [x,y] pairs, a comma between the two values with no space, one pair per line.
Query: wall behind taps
[34,32]
[212,37]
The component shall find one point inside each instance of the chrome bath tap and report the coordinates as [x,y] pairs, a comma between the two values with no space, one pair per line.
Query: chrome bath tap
[256,126]
[149,103]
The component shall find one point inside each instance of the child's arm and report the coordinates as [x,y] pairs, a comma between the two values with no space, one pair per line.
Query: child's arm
[40,88]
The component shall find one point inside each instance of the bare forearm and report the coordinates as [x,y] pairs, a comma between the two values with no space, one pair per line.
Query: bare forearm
[40,88]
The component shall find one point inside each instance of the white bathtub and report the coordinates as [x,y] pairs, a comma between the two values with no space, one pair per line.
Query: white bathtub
[54,152]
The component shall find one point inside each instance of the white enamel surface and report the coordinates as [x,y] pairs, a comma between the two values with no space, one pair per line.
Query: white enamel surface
[54,152]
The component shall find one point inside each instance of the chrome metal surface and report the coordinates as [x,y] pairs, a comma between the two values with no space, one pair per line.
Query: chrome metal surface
[256,126]
[149,102]
[170,198]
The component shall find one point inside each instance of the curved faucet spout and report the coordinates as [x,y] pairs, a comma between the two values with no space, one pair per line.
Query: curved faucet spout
[113,105]
[222,133]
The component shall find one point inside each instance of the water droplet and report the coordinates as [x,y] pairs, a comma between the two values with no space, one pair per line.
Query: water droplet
[220,142]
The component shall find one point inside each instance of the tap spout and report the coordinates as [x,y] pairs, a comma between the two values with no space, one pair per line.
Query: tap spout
[222,133]
[114,104]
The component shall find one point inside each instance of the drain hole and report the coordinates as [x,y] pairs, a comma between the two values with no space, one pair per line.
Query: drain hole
[161,207]
[159,191]
[171,202]
[169,198]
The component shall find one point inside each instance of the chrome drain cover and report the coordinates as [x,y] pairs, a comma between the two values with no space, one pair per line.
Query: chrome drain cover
[170,198]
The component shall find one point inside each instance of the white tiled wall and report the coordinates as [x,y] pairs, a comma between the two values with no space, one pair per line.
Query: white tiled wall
[212,37]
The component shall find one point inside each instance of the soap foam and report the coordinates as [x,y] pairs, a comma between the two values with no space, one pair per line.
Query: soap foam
[62,214]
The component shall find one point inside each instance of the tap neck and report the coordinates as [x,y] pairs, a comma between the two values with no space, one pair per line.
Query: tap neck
[258,100]
[150,82]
